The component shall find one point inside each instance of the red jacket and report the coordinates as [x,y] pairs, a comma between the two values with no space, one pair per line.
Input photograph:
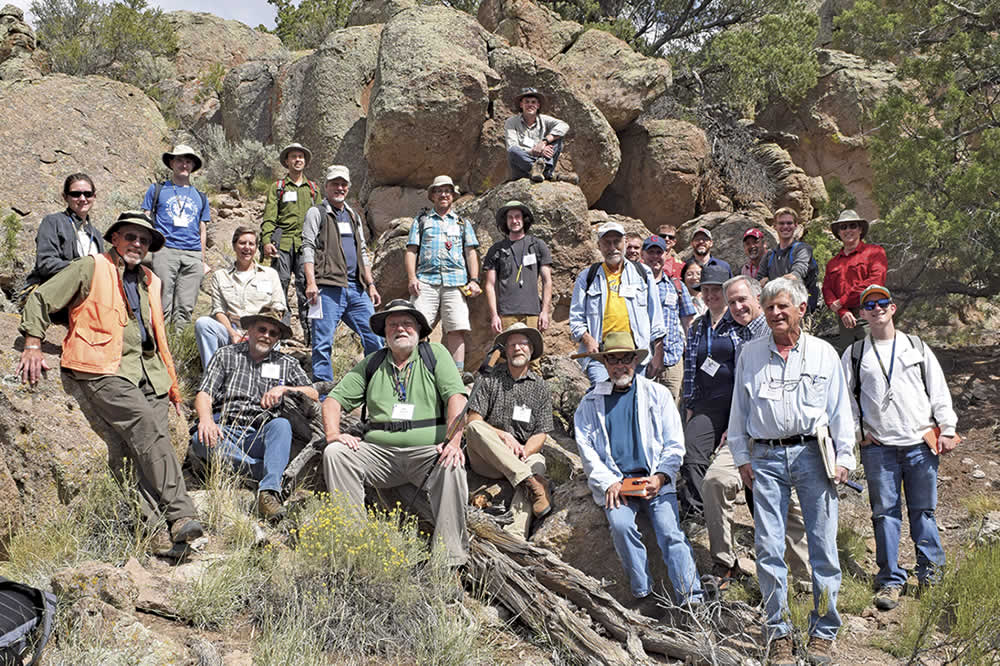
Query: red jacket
[847,275]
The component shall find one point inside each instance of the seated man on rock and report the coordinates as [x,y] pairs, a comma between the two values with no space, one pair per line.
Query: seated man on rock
[534,140]
[509,416]
[242,384]
[411,391]
[631,443]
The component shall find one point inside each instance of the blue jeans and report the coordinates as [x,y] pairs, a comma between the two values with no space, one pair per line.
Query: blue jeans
[263,453]
[520,161]
[353,306]
[778,469]
[915,469]
[677,554]
[209,334]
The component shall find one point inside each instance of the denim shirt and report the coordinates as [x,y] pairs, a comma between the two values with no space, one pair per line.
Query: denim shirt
[645,314]
[662,437]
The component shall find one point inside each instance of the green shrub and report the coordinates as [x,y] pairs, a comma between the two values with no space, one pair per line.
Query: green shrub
[232,163]
[11,230]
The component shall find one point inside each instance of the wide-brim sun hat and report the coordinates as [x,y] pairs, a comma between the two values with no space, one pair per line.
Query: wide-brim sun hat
[529,218]
[139,219]
[849,216]
[399,306]
[529,92]
[618,342]
[295,146]
[442,181]
[271,316]
[183,150]
[533,335]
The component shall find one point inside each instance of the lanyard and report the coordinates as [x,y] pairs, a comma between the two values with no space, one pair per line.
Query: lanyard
[401,379]
[892,361]
[710,337]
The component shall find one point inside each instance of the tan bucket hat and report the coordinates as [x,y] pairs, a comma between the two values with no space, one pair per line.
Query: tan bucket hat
[849,216]
[442,181]
[183,150]
[533,335]
[295,146]
[139,219]
[618,342]
[271,316]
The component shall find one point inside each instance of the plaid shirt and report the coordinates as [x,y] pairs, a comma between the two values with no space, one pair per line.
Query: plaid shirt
[500,394]
[440,257]
[673,341]
[237,384]
[726,327]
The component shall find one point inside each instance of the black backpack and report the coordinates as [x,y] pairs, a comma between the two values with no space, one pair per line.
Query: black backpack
[23,610]
[592,271]
[857,351]
[426,355]
[812,274]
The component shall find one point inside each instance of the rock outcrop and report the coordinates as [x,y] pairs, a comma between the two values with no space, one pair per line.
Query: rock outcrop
[529,25]
[20,57]
[371,12]
[247,100]
[794,188]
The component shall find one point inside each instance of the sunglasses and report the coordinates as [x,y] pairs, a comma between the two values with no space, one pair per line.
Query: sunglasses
[143,240]
[76,194]
[620,359]
[850,225]
[881,302]
[669,236]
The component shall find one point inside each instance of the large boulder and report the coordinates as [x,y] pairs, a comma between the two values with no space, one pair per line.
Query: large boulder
[591,147]
[727,233]
[528,25]
[248,101]
[391,202]
[20,57]
[377,11]
[430,97]
[663,166]
[793,188]
[618,80]
[827,129]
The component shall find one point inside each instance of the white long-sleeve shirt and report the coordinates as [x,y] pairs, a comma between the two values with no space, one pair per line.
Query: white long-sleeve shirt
[517,133]
[903,420]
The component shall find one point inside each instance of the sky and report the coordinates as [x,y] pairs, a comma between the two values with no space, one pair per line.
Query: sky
[251,12]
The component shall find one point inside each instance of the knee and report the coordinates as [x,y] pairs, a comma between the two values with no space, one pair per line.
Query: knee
[621,521]
[280,427]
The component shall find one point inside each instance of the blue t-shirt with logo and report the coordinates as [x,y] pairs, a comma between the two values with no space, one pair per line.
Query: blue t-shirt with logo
[178,215]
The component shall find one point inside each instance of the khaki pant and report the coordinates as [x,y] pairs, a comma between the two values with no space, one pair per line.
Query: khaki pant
[132,421]
[491,458]
[718,491]
[673,378]
[379,466]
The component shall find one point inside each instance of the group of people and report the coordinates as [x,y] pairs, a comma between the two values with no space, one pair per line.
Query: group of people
[768,409]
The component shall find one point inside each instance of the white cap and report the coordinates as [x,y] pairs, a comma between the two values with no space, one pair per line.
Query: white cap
[338,171]
[608,227]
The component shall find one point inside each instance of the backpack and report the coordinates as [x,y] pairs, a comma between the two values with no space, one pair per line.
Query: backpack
[313,189]
[23,609]
[592,271]
[811,274]
[858,350]
[426,356]
[156,201]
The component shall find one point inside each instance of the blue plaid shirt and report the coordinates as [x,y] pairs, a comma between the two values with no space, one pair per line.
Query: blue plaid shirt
[726,327]
[440,258]
[685,307]
[673,341]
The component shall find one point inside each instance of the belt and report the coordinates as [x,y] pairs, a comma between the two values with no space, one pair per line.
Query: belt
[403,426]
[794,440]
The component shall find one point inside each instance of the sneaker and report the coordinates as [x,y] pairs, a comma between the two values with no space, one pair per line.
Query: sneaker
[569,177]
[536,489]
[269,506]
[185,530]
[819,651]
[887,598]
[780,652]
[538,171]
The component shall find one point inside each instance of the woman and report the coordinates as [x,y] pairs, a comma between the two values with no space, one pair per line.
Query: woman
[239,291]
[709,369]
[691,276]
[63,237]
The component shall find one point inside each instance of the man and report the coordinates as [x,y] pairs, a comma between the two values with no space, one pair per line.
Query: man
[857,265]
[791,258]
[244,382]
[672,264]
[790,391]
[722,480]
[633,246]
[180,212]
[754,246]
[442,266]
[534,140]
[281,227]
[615,296]
[903,407]
[116,363]
[338,274]
[513,267]
[629,436]
[410,407]
[701,243]
[678,311]
[509,417]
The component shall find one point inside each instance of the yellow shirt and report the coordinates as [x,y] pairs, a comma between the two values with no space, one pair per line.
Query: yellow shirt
[615,313]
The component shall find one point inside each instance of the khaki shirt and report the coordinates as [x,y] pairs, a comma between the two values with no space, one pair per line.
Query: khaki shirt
[238,298]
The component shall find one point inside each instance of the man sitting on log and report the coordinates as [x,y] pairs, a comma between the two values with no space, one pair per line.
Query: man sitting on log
[411,391]
[632,462]
[509,416]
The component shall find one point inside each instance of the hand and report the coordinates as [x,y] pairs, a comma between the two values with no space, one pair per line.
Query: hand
[512,444]
[175,399]
[746,474]
[835,306]
[350,441]
[653,485]
[946,443]
[451,454]
[590,344]
[848,320]
[841,475]
[414,287]
[474,288]
[544,321]
[654,368]
[538,148]
[312,293]
[270,250]
[208,432]
[496,324]
[613,497]
[32,365]
[374,295]
[205,268]
[722,440]
[273,397]
[548,151]
[235,335]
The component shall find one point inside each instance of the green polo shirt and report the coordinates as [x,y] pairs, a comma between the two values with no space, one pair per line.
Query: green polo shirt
[422,390]
[287,215]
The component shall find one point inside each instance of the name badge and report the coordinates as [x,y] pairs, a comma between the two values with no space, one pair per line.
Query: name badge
[182,221]
[263,286]
[316,309]
[344,228]
[522,413]
[402,411]
[710,367]
[453,230]
[530,260]
[270,371]
[627,291]
[290,197]
[910,357]
[602,388]
[768,392]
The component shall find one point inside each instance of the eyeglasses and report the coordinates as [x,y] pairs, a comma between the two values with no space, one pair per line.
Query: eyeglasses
[850,225]
[669,236]
[76,194]
[143,240]
[881,302]
[620,359]
[268,331]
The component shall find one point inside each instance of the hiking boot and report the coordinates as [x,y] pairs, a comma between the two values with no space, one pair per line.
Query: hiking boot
[468,378]
[185,530]
[887,598]
[160,543]
[269,506]
[536,490]
[724,575]
[819,651]
[568,177]
[780,652]
[538,171]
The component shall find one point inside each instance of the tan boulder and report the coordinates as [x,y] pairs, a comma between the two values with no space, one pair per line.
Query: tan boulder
[618,80]
[389,203]
[663,165]
[727,234]
[247,101]
[793,188]
[377,11]
[99,580]
[20,57]
[529,25]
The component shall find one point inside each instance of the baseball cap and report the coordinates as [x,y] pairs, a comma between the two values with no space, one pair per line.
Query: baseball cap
[702,230]
[338,171]
[608,227]
[876,289]
[654,241]
[753,233]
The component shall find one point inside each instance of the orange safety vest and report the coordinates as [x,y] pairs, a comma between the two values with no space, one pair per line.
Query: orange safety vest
[97,325]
